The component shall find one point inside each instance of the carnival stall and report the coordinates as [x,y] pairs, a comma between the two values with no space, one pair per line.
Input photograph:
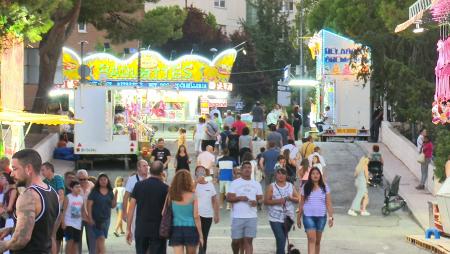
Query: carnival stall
[441,105]
[127,103]
[339,88]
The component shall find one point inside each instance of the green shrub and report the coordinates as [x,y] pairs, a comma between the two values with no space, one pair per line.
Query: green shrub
[441,143]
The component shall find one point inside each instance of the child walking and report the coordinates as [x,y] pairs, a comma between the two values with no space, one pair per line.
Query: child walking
[71,218]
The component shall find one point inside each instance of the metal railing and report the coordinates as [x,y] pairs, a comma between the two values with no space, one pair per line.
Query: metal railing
[418,6]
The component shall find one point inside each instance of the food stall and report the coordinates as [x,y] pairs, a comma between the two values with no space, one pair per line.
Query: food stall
[128,103]
[339,88]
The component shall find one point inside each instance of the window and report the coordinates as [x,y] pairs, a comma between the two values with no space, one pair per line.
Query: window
[219,3]
[82,27]
[287,6]
[223,29]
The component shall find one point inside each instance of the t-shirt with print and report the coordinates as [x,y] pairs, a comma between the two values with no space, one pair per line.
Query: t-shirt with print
[72,216]
[226,165]
[161,154]
[204,193]
[315,205]
[249,189]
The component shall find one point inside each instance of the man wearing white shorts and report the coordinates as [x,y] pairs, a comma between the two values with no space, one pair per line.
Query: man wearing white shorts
[244,194]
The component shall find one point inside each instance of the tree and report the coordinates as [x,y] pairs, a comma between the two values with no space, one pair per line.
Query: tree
[117,17]
[270,36]
[250,84]
[200,33]
[24,20]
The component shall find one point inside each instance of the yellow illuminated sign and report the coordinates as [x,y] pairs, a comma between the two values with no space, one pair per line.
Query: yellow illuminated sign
[186,72]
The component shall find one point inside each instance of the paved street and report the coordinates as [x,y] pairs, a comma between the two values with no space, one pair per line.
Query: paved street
[375,234]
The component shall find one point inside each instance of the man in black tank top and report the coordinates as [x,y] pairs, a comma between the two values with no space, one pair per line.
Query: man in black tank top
[37,208]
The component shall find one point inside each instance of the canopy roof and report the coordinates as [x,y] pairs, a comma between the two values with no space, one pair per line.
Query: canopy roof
[11,116]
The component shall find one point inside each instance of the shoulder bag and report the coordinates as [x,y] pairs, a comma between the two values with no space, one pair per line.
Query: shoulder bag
[165,228]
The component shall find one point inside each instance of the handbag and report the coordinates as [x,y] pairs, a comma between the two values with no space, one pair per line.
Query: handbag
[165,228]
[421,158]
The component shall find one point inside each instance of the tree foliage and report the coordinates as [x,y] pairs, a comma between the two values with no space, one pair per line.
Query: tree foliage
[121,20]
[403,64]
[24,20]
[199,33]
[269,39]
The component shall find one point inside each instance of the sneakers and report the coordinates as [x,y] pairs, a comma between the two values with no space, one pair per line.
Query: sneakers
[352,213]
[116,234]
[420,187]
[365,213]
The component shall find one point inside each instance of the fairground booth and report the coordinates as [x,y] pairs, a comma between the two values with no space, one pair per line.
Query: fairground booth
[338,86]
[142,96]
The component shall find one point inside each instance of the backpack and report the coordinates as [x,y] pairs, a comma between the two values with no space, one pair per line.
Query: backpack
[233,142]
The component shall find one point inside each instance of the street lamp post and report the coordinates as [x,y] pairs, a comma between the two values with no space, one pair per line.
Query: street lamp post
[82,68]
[301,62]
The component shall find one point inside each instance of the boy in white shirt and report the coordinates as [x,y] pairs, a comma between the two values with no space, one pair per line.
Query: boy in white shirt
[71,217]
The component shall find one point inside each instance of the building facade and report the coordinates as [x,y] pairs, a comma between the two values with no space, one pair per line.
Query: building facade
[229,13]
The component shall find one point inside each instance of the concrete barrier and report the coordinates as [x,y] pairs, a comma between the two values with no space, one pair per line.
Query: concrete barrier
[406,152]
[46,146]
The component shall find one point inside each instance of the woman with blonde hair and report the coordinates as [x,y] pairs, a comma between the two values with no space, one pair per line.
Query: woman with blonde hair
[361,200]
[119,190]
[186,226]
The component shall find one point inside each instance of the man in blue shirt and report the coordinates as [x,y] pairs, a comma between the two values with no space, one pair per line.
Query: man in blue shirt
[226,166]
[267,163]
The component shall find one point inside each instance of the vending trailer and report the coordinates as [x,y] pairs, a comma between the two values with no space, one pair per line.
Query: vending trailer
[348,98]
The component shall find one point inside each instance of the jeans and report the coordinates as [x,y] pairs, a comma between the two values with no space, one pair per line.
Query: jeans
[206,225]
[146,245]
[424,169]
[280,236]
[296,132]
[90,238]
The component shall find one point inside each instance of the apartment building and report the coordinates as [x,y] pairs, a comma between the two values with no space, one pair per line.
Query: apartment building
[228,13]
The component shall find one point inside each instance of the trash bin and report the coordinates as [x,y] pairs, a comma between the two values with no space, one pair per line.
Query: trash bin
[443,198]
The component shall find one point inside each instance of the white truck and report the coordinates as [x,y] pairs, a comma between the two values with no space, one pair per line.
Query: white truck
[95,136]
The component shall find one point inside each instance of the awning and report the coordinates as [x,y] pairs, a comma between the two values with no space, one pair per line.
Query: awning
[11,116]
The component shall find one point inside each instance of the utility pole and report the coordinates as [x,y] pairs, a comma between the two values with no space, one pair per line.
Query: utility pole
[139,64]
[301,62]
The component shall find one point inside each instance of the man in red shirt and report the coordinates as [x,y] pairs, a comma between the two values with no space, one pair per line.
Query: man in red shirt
[239,125]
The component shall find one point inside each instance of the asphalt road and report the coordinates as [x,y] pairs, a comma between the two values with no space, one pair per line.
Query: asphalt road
[374,234]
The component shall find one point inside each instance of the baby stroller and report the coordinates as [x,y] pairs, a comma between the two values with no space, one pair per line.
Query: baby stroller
[376,171]
[392,201]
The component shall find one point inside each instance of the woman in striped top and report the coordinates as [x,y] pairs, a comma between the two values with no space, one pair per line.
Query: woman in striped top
[314,205]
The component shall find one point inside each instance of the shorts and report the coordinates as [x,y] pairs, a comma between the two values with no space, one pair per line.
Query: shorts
[223,186]
[72,233]
[186,236]
[101,229]
[243,228]
[119,207]
[257,125]
[60,234]
[314,223]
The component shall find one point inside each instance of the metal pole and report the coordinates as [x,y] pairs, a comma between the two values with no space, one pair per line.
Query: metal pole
[139,64]
[301,63]
[82,62]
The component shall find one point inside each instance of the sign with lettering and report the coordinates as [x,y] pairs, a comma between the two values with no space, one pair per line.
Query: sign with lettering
[189,72]
[333,53]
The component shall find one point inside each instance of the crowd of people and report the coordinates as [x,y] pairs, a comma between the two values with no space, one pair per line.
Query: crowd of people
[287,180]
